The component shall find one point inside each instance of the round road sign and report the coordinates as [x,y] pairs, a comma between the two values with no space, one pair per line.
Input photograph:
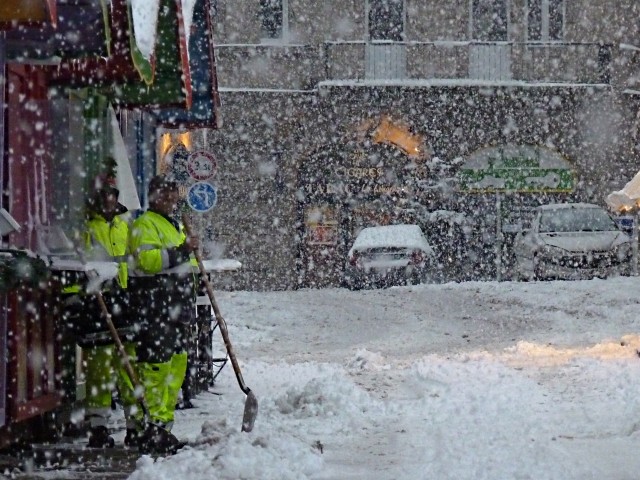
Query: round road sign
[202,196]
[202,165]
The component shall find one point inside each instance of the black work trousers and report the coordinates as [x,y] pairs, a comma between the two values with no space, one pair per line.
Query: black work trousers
[164,308]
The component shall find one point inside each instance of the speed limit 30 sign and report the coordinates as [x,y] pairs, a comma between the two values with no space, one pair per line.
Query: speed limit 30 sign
[202,165]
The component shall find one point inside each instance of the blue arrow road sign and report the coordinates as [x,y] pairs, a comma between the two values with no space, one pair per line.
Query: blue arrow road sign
[202,196]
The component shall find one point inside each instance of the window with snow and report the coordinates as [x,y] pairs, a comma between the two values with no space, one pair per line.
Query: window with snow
[545,20]
[489,20]
[386,20]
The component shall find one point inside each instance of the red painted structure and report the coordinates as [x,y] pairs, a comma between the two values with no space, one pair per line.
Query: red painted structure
[28,376]
[30,361]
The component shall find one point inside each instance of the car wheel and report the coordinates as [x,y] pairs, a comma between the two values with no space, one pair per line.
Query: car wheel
[520,275]
[627,269]
[356,284]
[537,269]
[350,282]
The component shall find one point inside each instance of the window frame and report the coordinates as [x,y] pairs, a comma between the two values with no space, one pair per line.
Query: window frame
[403,31]
[545,22]
[284,36]
[472,36]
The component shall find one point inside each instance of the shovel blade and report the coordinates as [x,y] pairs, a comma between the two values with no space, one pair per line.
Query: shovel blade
[250,412]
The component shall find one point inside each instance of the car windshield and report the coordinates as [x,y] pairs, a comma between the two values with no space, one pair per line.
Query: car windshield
[576,220]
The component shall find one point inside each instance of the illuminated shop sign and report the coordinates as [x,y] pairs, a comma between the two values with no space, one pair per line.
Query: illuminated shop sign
[322,225]
[352,189]
[516,168]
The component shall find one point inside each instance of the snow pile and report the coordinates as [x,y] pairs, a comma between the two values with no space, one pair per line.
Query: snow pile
[472,381]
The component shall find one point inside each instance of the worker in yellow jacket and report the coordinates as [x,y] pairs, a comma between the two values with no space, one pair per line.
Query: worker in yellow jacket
[163,295]
[105,239]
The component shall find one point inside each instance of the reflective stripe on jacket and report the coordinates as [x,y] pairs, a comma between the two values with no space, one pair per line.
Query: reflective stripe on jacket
[153,241]
[109,240]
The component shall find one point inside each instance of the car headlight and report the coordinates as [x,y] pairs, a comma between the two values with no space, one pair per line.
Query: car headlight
[622,251]
[551,251]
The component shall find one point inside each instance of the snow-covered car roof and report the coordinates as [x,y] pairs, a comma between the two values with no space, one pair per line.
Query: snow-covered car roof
[409,236]
[569,218]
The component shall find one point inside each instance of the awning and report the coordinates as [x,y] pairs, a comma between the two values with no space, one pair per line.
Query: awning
[80,31]
[26,12]
[158,78]
[205,108]
[171,84]
[122,63]
[126,184]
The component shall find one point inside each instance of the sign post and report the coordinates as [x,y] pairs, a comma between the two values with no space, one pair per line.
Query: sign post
[634,236]
[499,237]
[514,169]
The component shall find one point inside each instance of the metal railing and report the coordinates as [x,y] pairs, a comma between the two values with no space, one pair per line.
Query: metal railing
[532,62]
[303,66]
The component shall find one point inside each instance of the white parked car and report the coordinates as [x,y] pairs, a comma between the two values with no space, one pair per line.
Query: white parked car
[572,241]
[389,255]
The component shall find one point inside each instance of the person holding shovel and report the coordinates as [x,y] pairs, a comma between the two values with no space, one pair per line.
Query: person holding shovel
[163,294]
[105,238]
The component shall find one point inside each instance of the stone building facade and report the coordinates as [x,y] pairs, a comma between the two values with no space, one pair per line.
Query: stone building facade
[345,113]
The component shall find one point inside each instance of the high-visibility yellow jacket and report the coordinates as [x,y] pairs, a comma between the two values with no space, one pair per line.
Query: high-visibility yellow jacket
[154,242]
[109,240]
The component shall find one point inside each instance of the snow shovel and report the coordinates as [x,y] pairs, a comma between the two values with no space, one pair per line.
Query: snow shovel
[137,386]
[135,381]
[251,402]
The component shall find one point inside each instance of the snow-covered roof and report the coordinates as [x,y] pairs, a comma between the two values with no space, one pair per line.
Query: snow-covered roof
[145,22]
[455,82]
[274,43]
[265,90]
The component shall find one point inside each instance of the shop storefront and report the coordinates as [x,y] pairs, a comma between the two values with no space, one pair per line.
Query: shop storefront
[372,179]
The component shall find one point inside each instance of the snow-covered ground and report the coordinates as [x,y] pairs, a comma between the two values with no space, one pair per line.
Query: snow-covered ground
[473,381]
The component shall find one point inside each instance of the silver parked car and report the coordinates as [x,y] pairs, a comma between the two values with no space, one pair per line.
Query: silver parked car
[389,255]
[572,241]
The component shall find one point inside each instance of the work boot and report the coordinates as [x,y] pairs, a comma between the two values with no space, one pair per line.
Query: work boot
[132,438]
[184,405]
[158,440]
[99,438]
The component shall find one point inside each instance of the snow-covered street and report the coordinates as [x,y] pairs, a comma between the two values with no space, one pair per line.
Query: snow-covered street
[456,381]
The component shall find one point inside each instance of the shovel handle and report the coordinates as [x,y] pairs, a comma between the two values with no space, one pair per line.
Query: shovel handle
[221,321]
[135,381]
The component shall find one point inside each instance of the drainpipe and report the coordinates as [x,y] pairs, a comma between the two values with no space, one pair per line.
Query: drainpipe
[3,82]
[498,238]
[3,297]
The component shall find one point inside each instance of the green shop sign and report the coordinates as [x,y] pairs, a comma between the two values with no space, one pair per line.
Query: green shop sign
[516,168]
